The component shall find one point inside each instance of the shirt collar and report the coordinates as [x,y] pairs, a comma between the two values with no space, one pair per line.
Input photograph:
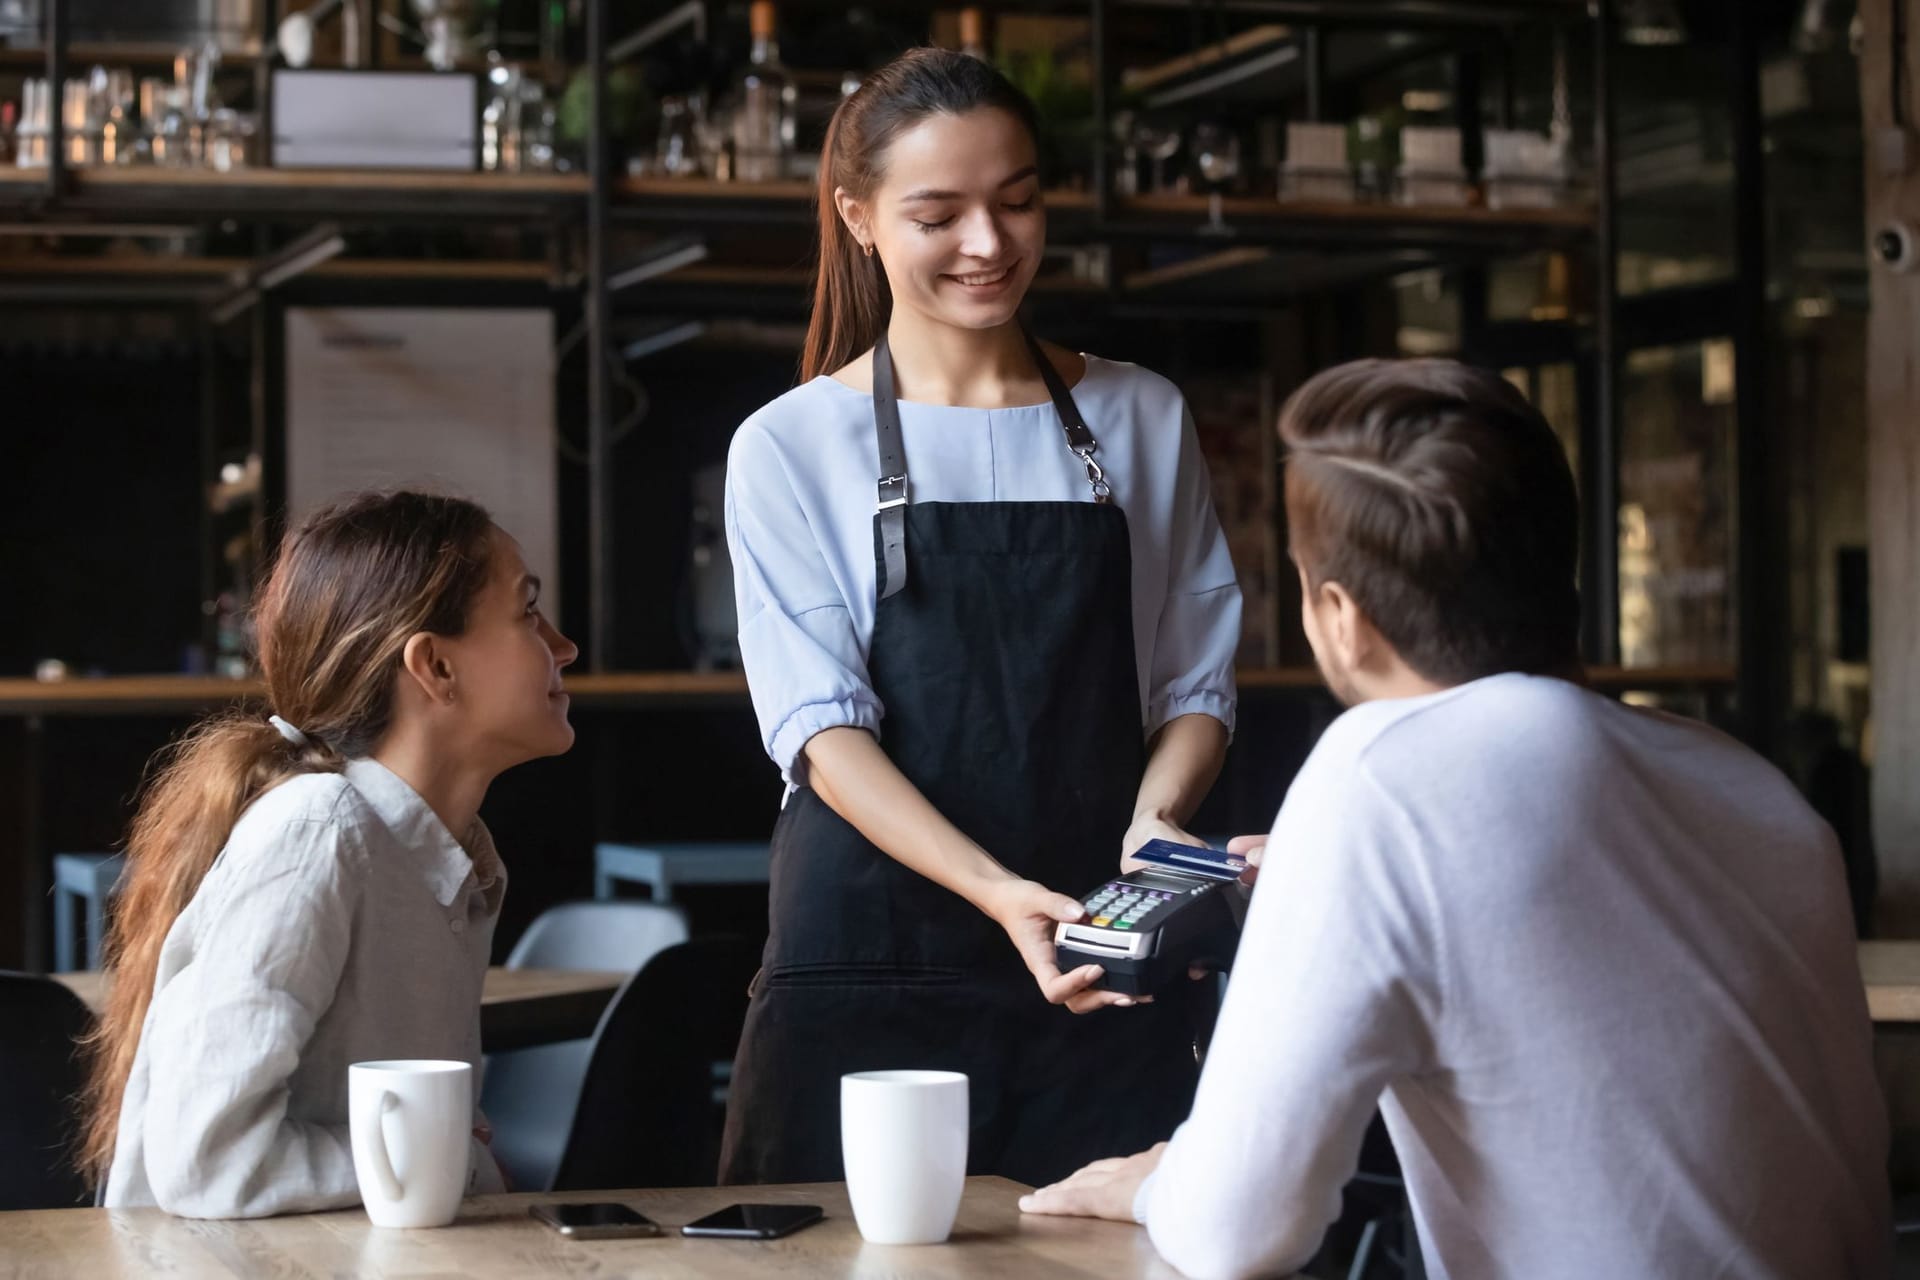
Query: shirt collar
[415,825]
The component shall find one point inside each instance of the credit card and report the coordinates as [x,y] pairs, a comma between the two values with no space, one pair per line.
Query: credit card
[1192,859]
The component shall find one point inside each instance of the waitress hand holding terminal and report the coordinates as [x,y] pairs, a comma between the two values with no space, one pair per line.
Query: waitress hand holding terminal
[988,619]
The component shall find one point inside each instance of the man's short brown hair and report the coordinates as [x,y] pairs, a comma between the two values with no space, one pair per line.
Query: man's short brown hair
[1442,502]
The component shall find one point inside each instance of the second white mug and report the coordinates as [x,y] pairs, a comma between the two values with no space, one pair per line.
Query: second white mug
[412,1129]
[903,1137]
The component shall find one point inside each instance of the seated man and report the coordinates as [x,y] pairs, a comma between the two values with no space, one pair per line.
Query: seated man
[1594,963]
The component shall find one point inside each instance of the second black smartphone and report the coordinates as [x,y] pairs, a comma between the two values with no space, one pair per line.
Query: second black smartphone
[756,1221]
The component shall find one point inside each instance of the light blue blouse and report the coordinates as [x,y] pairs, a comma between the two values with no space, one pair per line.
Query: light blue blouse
[799,515]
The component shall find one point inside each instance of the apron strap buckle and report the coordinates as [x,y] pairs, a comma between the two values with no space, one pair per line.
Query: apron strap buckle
[893,492]
[1096,476]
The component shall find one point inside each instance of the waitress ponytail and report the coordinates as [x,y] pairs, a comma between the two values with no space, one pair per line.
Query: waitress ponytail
[851,301]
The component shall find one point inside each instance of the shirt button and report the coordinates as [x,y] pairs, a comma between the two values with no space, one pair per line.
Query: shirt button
[457,925]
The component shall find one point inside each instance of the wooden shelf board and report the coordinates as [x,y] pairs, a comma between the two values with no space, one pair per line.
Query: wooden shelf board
[111,695]
[1210,58]
[725,275]
[346,180]
[1370,213]
[143,54]
[795,192]
[220,268]
[146,187]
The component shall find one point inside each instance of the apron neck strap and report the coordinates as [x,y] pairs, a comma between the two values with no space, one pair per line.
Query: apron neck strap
[892,492]
[886,428]
[1079,436]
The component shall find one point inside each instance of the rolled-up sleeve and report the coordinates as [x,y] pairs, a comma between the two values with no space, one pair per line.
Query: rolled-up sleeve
[1199,631]
[227,1032]
[803,657]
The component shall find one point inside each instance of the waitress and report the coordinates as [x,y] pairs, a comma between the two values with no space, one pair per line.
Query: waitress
[989,619]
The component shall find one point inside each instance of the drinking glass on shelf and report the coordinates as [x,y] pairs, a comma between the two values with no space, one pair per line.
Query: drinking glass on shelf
[1126,181]
[677,153]
[1216,154]
[118,130]
[229,140]
[152,109]
[1157,140]
[714,133]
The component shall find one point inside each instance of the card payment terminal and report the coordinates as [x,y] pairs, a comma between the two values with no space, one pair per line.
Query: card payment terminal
[1147,927]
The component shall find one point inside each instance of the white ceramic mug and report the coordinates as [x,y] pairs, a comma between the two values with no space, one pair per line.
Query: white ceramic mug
[903,1137]
[412,1125]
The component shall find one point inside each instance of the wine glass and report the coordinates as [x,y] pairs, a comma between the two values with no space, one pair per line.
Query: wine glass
[1216,154]
[677,154]
[1158,139]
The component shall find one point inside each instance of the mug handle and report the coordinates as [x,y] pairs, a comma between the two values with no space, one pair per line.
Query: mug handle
[377,1147]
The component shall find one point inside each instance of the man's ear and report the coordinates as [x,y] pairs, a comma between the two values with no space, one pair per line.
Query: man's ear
[854,212]
[428,665]
[1349,629]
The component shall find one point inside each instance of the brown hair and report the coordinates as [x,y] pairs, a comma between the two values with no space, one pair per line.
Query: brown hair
[1442,502]
[851,302]
[351,585]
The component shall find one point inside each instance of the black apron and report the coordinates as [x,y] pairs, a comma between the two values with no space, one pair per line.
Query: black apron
[1003,655]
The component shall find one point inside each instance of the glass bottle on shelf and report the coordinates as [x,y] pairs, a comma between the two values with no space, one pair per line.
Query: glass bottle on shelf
[6,134]
[1216,154]
[763,106]
[973,33]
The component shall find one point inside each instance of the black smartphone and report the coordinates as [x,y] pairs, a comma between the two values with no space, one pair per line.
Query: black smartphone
[604,1221]
[756,1221]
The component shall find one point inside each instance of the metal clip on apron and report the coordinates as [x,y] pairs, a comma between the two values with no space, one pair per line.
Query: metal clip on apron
[1012,702]
[893,454]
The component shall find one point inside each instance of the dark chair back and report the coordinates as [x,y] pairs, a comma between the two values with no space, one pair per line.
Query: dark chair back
[40,1078]
[647,1115]
[530,1094]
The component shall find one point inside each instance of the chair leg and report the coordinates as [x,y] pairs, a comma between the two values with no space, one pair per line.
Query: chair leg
[66,949]
[96,929]
[1364,1253]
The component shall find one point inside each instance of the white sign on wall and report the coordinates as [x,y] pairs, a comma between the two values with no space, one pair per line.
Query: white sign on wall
[456,400]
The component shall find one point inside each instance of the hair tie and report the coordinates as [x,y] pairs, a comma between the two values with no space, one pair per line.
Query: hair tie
[287,731]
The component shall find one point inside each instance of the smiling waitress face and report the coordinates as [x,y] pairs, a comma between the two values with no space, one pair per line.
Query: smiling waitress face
[956,218]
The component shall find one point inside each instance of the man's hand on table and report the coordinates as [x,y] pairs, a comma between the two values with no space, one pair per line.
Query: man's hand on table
[1104,1189]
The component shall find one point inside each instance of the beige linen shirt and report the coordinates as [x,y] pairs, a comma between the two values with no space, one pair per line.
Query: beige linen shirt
[341,923]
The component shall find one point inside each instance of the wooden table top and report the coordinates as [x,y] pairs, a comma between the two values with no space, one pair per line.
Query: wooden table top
[494,1236]
[518,1007]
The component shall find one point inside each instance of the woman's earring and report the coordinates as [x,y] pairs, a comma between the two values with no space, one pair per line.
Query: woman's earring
[868,247]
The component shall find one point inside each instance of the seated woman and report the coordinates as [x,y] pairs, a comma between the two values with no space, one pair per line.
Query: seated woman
[313,888]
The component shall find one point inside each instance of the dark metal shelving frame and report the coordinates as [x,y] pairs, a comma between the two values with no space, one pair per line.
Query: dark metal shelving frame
[595,206]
